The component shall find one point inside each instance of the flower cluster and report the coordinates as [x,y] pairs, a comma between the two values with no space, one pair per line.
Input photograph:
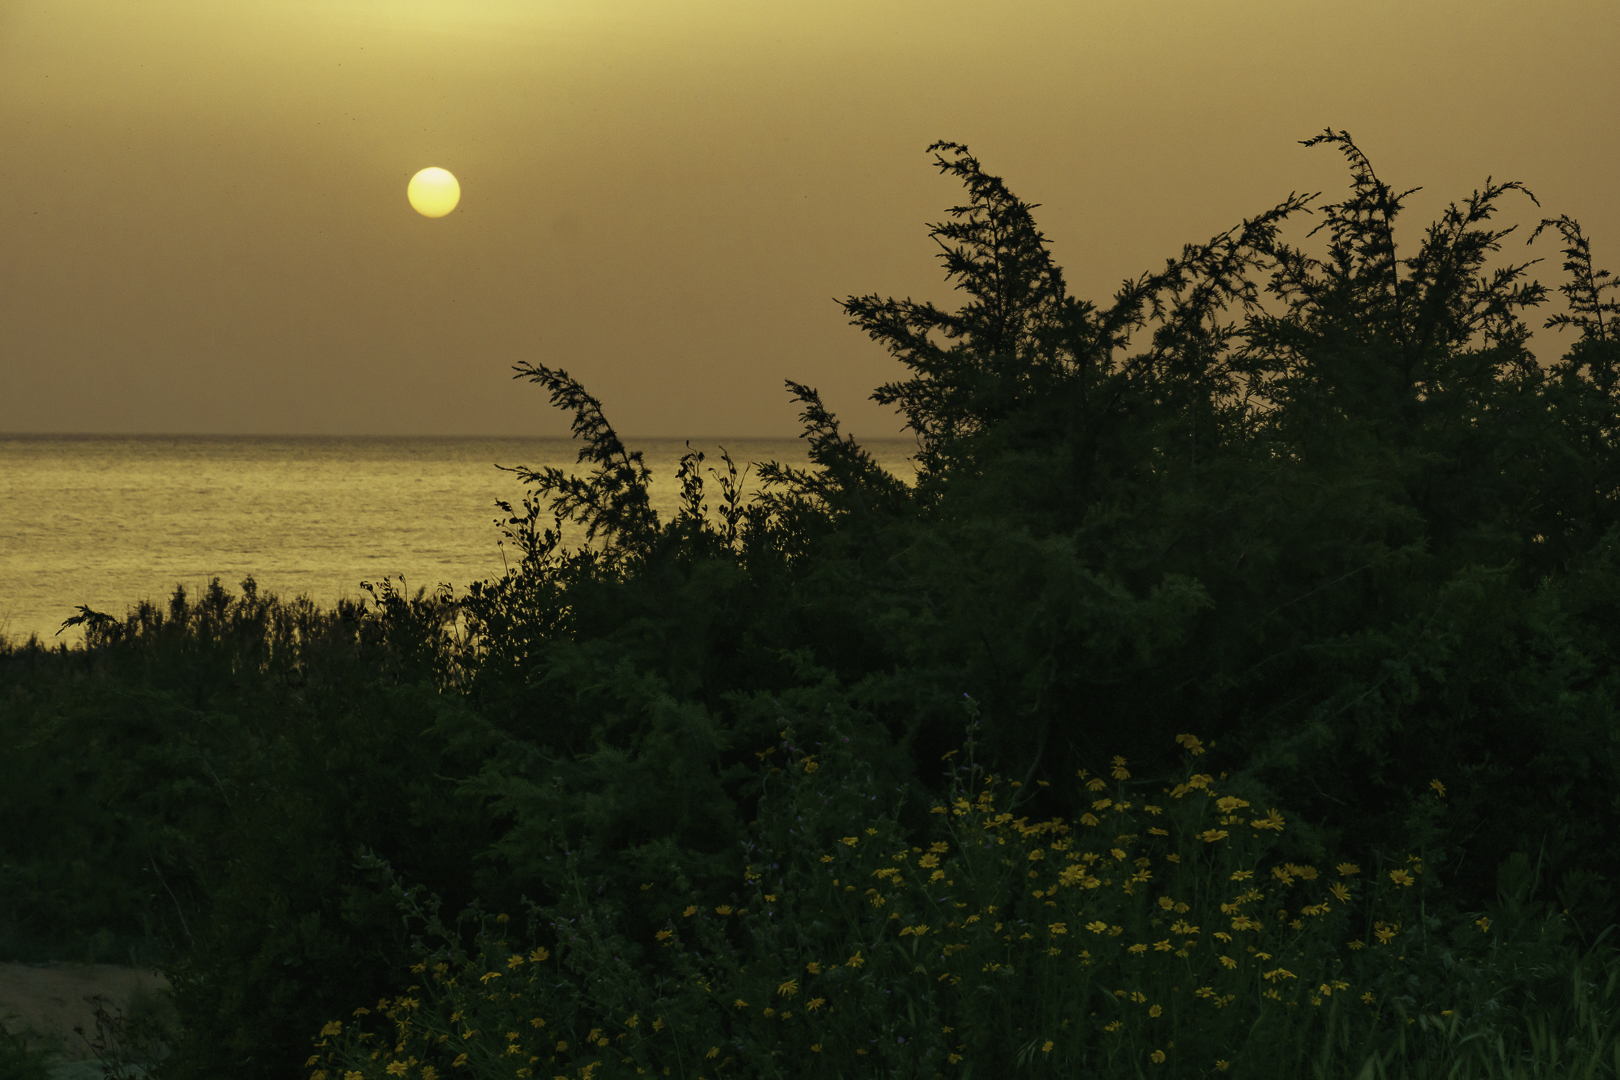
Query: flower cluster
[1156,928]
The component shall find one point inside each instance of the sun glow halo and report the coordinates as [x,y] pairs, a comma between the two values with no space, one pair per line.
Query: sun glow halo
[433,192]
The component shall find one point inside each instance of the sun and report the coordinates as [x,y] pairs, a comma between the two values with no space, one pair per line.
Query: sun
[433,192]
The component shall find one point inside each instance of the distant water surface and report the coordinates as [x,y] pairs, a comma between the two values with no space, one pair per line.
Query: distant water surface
[108,521]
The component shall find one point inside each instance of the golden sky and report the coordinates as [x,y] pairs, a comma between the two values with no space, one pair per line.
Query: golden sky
[203,224]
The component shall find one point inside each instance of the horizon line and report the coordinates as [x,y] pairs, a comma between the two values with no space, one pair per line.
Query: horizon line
[376,435]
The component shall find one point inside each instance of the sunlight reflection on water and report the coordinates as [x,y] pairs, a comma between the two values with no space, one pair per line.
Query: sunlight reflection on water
[110,520]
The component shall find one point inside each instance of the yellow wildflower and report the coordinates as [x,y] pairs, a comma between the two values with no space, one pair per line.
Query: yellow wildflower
[1273,821]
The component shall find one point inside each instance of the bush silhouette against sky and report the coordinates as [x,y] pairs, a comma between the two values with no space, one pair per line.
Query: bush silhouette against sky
[1360,542]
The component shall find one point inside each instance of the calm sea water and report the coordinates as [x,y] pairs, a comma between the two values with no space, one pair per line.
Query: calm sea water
[109,521]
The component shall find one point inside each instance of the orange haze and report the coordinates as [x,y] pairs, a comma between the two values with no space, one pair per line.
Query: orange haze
[203,224]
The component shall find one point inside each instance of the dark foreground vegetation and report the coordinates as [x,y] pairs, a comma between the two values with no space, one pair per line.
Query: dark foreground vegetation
[1223,698]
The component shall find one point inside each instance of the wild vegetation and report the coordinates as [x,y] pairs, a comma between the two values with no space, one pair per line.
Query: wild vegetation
[1224,697]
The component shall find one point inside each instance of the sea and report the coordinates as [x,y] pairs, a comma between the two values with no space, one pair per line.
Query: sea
[109,521]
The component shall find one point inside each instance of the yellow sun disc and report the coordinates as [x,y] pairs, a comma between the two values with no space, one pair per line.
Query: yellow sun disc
[433,192]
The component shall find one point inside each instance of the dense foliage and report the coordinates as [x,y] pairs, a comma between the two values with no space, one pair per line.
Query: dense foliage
[1355,537]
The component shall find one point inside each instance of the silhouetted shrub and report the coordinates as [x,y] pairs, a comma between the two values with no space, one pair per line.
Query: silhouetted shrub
[1361,541]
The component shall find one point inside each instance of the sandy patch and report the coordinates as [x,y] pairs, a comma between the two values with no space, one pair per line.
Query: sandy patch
[50,1000]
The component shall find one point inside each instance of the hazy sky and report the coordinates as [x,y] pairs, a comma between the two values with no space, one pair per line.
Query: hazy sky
[203,224]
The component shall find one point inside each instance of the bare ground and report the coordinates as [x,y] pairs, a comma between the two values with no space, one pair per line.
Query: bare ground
[47,1001]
